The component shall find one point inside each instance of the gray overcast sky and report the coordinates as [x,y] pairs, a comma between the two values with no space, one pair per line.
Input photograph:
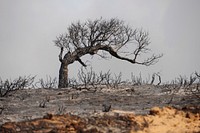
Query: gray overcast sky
[28,28]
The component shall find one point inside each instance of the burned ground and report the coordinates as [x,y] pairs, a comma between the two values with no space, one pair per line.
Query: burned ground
[82,110]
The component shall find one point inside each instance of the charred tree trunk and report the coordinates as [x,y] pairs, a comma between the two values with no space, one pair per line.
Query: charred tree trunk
[63,76]
[68,59]
[63,72]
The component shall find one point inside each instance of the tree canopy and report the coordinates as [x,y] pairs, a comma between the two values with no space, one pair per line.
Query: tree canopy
[102,35]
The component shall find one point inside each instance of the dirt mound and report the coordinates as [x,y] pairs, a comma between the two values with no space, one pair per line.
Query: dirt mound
[165,120]
[173,120]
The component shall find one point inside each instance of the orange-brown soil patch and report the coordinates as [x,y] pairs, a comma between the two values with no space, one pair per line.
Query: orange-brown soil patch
[159,120]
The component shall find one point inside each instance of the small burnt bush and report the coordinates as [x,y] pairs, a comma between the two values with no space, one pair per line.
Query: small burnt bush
[8,86]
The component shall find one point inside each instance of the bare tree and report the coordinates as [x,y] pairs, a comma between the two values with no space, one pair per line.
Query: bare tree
[100,36]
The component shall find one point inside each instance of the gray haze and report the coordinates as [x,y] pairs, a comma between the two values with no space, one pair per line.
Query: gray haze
[28,28]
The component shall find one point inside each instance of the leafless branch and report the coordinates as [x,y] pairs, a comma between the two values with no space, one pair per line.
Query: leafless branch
[136,80]
[60,55]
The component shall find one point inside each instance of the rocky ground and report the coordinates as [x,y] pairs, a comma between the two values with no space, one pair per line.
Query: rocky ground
[72,110]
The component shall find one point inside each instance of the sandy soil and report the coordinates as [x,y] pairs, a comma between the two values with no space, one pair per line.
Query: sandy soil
[70,110]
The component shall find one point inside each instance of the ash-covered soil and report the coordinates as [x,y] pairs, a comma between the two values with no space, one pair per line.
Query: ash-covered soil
[88,105]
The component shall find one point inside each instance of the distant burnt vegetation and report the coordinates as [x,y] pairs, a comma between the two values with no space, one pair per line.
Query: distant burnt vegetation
[88,79]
